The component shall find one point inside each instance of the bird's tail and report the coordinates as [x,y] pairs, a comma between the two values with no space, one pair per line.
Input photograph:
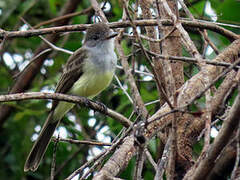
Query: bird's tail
[40,146]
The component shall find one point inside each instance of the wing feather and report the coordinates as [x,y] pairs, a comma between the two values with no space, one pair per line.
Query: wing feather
[71,72]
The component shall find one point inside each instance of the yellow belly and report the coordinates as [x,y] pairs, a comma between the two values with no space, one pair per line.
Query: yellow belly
[88,85]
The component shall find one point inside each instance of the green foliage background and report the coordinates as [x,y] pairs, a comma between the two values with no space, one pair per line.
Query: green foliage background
[16,133]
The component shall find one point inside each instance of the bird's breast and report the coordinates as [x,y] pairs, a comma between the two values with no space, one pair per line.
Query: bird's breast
[98,70]
[92,82]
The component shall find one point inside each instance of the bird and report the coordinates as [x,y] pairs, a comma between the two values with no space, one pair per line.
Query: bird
[87,72]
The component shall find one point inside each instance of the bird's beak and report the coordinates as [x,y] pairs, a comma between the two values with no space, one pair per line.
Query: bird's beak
[111,35]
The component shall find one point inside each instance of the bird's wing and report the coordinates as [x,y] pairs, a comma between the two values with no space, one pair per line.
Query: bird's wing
[71,72]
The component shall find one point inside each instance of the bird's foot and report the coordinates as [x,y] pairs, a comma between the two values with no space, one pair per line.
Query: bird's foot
[103,107]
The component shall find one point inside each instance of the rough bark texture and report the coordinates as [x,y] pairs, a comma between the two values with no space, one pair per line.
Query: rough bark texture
[207,163]
[154,46]
[115,164]
[172,46]
[192,87]
[224,163]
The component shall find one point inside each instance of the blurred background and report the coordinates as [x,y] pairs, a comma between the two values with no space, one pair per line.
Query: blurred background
[20,122]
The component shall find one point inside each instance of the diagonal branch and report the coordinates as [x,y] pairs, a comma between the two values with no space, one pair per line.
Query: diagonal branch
[225,134]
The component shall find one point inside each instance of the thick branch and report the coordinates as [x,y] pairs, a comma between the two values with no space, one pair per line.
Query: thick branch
[195,85]
[115,164]
[219,143]
[69,98]
[224,164]
[149,22]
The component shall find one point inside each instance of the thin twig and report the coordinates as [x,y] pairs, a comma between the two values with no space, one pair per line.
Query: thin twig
[139,72]
[66,16]
[207,116]
[47,42]
[32,61]
[150,159]
[74,141]
[139,164]
[180,109]
[162,163]
[152,102]
[205,35]
[203,131]
[189,59]
[53,166]
[108,151]
[79,170]
[123,89]
[68,160]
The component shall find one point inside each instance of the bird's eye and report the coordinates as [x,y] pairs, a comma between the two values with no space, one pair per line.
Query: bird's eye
[95,37]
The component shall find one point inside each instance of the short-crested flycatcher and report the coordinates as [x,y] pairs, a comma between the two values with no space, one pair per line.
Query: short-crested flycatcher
[87,72]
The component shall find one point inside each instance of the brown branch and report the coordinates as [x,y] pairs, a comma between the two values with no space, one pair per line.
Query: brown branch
[139,104]
[186,40]
[225,134]
[194,86]
[115,164]
[53,165]
[195,97]
[158,68]
[224,163]
[98,10]
[234,172]
[68,98]
[74,141]
[162,163]
[230,82]
[79,170]
[60,18]
[189,59]
[149,22]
